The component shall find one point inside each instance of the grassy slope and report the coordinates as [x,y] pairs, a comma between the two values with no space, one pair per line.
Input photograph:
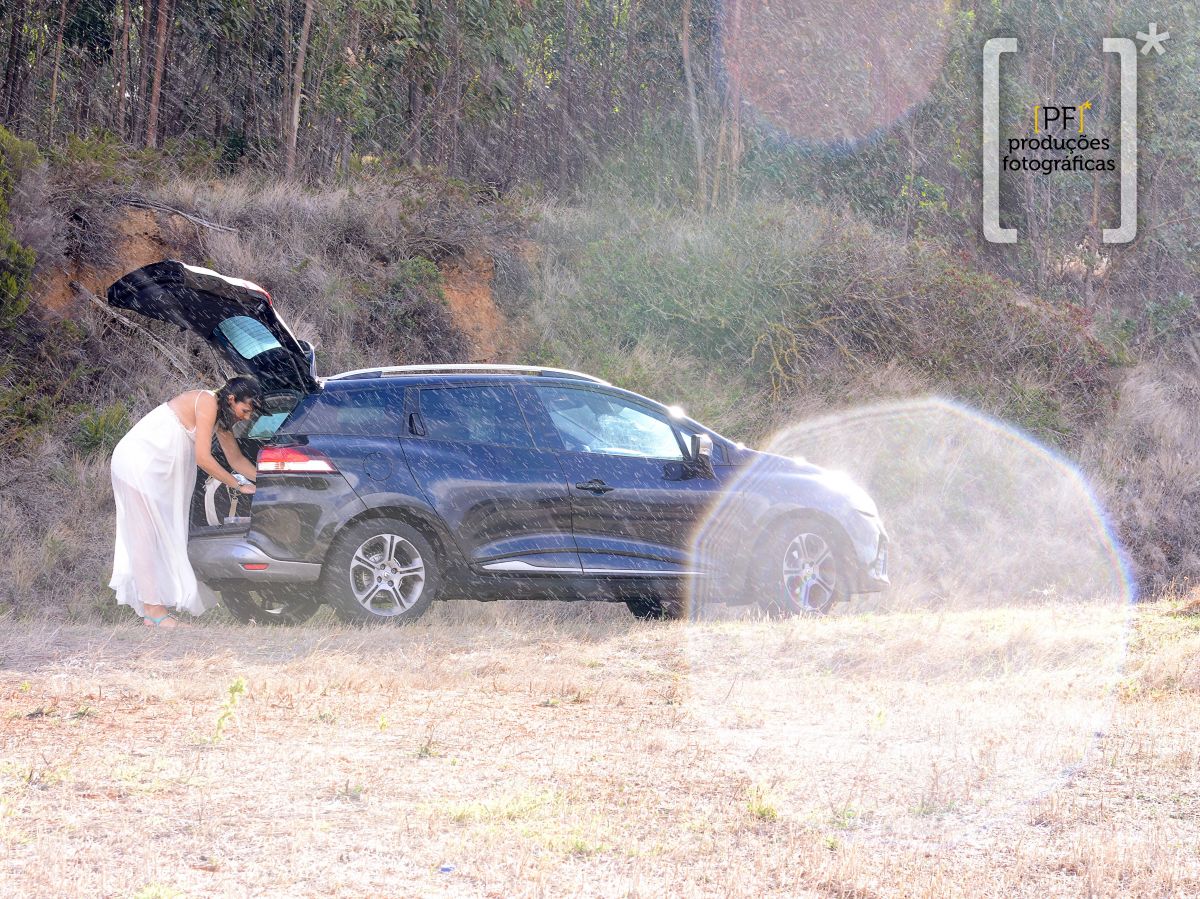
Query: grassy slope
[547,754]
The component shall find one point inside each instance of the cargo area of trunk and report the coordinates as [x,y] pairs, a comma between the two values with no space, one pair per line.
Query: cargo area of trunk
[220,510]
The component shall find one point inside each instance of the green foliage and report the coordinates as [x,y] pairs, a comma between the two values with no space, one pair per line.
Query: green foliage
[16,261]
[420,274]
[796,300]
[24,408]
[1167,318]
[102,157]
[100,429]
[410,317]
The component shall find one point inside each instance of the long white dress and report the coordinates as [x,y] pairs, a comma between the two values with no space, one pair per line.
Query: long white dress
[153,475]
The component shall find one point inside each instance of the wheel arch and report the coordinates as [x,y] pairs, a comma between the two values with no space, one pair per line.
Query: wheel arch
[770,524]
[426,523]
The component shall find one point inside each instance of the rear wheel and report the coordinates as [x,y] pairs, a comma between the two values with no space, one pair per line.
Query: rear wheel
[805,571]
[380,570]
[277,604]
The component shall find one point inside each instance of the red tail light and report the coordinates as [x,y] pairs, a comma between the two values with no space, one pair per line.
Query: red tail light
[294,460]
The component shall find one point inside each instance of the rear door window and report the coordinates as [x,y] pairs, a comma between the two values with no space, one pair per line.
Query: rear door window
[474,415]
[356,413]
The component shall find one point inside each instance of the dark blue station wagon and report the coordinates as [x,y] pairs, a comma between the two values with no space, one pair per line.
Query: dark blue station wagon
[385,489]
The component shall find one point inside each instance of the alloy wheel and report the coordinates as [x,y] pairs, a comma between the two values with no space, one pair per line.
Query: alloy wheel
[809,570]
[387,575]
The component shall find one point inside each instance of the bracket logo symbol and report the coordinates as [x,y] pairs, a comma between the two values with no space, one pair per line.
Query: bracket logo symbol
[1126,50]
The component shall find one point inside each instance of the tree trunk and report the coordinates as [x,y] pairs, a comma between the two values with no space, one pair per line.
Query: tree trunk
[564,99]
[149,9]
[160,60]
[297,90]
[285,91]
[58,45]
[693,105]
[123,69]
[12,70]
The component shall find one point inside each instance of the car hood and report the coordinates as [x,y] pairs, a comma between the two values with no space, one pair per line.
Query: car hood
[234,316]
[831,481]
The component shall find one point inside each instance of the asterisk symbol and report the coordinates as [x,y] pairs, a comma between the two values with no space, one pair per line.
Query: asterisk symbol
[1153,40]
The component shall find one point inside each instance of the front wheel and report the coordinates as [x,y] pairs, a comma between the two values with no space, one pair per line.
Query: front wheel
[380,570]
[277,604]
[805,570]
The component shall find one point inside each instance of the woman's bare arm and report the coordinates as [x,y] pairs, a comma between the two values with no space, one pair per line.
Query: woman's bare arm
[234,454]
[206,422]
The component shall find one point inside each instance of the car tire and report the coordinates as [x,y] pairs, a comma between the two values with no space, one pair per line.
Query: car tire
[805,570]
[380,571]
[657,607]
[280,604]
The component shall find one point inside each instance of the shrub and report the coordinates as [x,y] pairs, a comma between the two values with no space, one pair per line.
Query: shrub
[412,319]
[16,261]
[100,429]
[801,301]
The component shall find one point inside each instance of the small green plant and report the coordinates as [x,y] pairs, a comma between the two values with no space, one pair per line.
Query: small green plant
[845,818]
[761,804]
[351,792]
[99,430]
[233,696]
[383,723]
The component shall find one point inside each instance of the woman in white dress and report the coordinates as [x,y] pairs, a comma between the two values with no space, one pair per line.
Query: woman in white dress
[153,475]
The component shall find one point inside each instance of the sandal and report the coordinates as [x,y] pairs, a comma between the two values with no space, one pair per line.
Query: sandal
[151,621]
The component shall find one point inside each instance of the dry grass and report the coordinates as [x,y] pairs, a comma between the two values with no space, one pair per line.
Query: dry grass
[521,750]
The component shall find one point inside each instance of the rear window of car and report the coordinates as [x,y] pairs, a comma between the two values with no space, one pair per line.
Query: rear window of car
[248,336]
[474,415]
[355,413]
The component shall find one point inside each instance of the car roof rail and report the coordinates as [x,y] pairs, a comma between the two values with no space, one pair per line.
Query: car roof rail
[467,368]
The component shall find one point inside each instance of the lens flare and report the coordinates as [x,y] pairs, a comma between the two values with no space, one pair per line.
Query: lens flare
[969,689]
[833,72]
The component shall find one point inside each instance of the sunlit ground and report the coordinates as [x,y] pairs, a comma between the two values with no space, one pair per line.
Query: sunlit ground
[989,676]
[545,750]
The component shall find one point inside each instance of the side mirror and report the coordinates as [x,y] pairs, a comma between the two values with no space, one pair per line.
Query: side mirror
[702,450]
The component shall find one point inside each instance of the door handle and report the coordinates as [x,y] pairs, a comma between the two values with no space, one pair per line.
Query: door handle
[595,485]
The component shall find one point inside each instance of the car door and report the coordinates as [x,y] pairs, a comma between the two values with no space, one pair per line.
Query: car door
[636,500]
[503,498]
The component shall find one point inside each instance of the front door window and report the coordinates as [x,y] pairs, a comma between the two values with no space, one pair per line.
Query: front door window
[591,422]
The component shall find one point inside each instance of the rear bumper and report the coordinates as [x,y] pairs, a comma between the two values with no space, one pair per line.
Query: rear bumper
[224,557]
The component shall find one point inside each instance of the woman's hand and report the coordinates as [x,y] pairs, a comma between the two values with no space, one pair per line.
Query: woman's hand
[247,489]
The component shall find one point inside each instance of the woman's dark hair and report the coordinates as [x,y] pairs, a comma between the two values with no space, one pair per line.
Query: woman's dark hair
[239,389]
